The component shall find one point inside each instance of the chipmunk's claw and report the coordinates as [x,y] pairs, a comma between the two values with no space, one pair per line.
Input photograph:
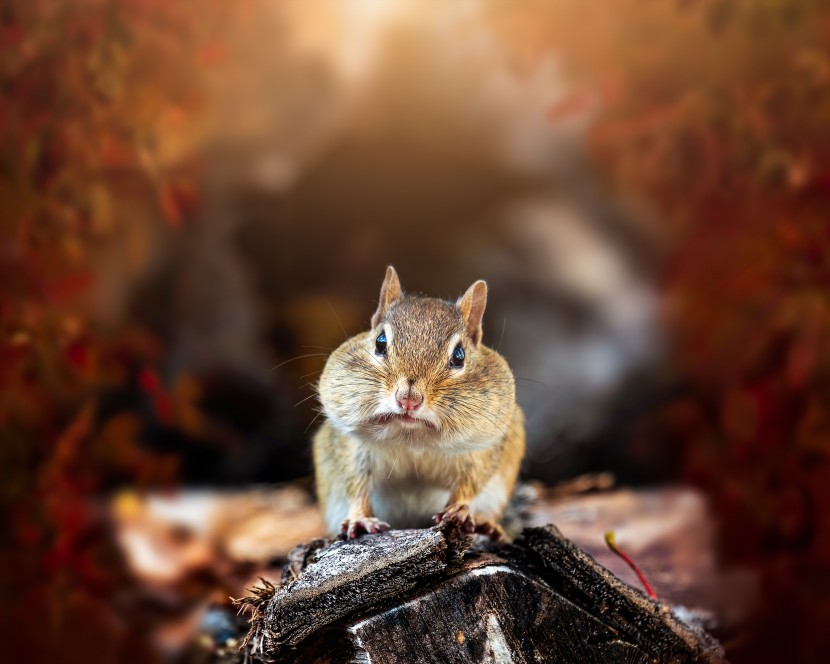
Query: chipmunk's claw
[460,514]
[354,528]
[492,530]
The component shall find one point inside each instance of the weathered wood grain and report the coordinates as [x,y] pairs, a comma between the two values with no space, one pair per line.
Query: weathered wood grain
[401,597]
[343,578]
[490,614]
[644,622]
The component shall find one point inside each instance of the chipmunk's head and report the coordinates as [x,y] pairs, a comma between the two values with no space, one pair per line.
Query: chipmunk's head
[421,375]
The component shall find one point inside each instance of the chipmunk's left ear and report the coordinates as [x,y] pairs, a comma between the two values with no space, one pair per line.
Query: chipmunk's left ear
[472,305]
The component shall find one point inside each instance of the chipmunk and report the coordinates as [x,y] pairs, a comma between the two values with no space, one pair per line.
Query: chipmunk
[422,422]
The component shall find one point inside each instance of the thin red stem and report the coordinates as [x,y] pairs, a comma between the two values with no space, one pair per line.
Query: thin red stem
[612,544]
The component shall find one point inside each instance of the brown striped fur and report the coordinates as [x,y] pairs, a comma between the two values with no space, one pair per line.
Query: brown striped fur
[468,451]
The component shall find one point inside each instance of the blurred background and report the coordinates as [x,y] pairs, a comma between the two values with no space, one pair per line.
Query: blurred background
[198,203]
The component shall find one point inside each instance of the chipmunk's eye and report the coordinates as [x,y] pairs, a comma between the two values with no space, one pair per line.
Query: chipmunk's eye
[457,359]
[380,344]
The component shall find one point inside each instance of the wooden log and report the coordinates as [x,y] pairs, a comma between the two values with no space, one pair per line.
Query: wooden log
[343,578]
[648,624]
[409,596]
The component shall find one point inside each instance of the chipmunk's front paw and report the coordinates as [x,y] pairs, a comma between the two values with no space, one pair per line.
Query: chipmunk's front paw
[368,525]
[460,514]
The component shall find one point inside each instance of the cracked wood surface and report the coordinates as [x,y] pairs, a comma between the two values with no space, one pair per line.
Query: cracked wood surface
[411,596]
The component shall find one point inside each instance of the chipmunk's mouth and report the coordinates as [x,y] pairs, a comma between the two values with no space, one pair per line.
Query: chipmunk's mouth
[403,418]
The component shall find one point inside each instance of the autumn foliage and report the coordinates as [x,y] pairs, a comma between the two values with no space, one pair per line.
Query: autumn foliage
[717,112]
[714,112]
[99,100]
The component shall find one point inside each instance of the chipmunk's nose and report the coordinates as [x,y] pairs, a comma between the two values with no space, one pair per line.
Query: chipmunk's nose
[409,400]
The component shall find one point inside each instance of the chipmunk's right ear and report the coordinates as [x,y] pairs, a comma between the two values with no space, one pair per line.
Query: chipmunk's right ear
[472,305]
[390,293]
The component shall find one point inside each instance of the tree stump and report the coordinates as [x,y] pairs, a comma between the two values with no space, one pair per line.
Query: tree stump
[426,596]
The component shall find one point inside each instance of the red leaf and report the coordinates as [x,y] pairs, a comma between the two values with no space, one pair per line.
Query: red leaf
[170,205]
[148,381]
[213,53]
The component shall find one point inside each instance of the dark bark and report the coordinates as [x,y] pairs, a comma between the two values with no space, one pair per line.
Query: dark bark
[410,596]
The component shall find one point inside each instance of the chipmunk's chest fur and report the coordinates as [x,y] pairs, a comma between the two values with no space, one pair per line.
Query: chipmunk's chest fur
[410,486]
[397,463]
